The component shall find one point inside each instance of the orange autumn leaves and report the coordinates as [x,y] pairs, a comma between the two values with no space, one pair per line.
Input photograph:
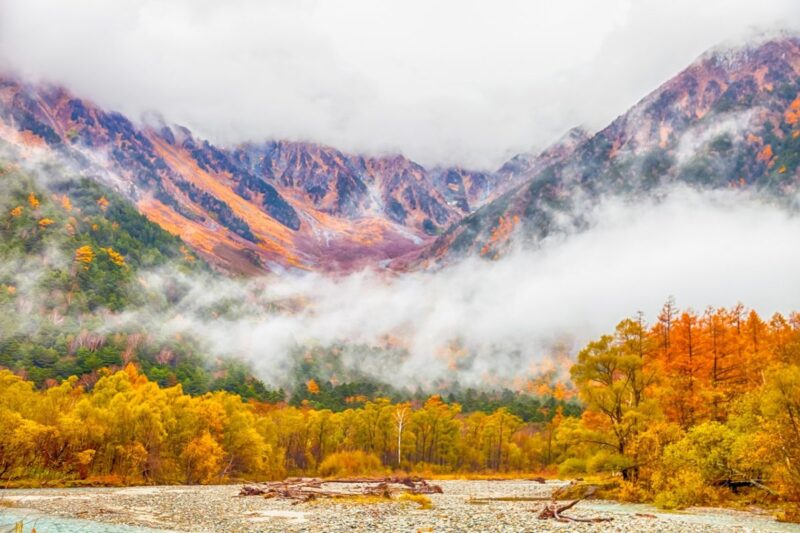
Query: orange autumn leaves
[708,360]
[500,234]
[690,404]
[792,114]
[33,204]
[86,255]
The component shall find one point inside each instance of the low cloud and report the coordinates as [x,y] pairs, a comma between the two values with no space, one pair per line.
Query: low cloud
[444,82]
[504,321]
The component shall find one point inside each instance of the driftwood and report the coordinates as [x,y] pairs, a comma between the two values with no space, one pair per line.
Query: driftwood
[307,489]
[536,479]
[552,511]
[745,481]
[415,483]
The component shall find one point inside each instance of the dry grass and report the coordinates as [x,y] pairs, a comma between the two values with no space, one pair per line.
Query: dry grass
[788,514]
[351,499]
[423,501]
[481,501]
[484,476]
[5,502]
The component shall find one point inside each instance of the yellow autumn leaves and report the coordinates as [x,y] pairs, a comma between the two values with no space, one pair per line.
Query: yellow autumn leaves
[86,255]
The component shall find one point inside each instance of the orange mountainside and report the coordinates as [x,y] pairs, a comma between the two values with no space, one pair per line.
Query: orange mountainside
[249,208]
[728,120]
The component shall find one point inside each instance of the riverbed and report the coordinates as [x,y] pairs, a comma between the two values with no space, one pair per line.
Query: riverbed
[485,506]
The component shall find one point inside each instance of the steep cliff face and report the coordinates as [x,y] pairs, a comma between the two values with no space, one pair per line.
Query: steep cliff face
[731,119]
[251,207]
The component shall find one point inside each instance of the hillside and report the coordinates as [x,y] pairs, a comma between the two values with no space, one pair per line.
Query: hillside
[72,254]
[262,206]
[730,120]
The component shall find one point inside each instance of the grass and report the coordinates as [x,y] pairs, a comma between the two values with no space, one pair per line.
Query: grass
[423,501]
[484,476]
[354,499]
[5,502]
[362,499]
[479,501]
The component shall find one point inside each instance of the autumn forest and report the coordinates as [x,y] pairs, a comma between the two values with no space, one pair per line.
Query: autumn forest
[322,303]
[694,409]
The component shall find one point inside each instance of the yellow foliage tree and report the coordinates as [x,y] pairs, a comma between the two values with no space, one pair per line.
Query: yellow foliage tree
[114,256]
[203,457]
[84,254]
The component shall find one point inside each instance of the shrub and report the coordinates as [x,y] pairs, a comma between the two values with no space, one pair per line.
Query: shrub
[344,464]
[631,492]
[423,501]
[685,489]
[604,461]
[572,466]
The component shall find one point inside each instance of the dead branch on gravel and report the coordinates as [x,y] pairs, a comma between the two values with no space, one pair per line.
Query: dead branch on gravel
[307,489]
[553,511]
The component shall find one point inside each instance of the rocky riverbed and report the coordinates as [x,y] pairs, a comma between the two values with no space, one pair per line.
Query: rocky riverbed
[485,506]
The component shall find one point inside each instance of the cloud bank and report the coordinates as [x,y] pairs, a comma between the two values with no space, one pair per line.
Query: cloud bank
[444,82]
[481,322]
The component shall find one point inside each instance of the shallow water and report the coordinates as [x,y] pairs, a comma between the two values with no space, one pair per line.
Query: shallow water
[715,517]
[55,524]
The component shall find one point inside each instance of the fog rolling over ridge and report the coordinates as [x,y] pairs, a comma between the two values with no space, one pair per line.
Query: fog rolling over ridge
[435,276]
[495,82]
[502,322]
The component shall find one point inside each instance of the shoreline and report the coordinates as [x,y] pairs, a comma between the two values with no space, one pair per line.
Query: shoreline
[465,505]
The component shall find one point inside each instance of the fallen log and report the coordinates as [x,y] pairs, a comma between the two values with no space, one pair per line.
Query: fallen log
[417,484]
[306,489]
[553,511]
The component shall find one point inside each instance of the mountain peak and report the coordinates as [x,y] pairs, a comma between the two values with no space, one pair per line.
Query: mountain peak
[725,121]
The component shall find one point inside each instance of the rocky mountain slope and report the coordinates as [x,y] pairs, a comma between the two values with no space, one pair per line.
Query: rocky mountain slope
[730,120]
[254,207]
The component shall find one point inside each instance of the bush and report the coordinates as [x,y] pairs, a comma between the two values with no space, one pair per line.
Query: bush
[685,489]
[604,461]
[423,501]
[631,492]
[345,464]
[572,466]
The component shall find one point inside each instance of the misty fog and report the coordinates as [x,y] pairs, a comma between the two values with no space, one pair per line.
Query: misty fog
[507,320]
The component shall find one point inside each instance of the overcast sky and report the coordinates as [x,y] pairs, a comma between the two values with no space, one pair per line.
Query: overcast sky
[445,82]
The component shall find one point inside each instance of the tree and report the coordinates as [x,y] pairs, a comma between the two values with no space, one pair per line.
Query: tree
[400,418]
[612,376]
[203,456]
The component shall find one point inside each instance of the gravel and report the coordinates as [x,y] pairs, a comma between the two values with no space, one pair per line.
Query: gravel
[464,506]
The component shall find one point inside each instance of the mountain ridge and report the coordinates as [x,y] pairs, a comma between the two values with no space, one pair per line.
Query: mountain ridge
[274,205]
[727,120]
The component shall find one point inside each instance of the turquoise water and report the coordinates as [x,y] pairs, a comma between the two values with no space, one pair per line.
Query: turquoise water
[54,524]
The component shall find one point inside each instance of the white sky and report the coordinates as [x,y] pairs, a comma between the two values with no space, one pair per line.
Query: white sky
[449,81]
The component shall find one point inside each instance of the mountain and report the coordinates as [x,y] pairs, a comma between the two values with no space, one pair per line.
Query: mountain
[730,120]
[252,207]
[72,258]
